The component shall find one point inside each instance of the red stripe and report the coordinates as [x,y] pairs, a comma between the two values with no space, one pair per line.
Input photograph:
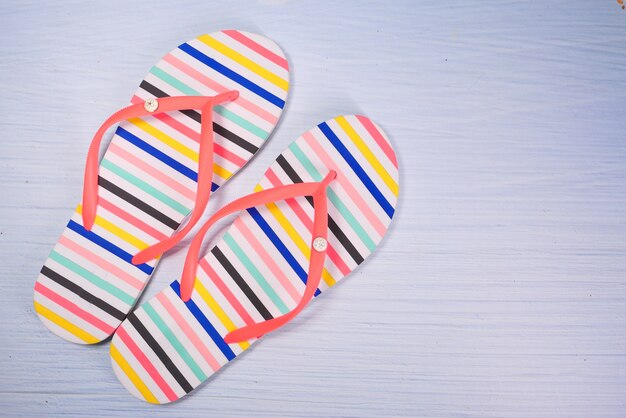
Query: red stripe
[146,363]
[122,214]
[378,137]
[259,49]
[241,311]
[73,308]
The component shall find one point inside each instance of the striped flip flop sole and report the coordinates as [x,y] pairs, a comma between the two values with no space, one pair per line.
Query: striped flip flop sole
[148,175]
[258,269]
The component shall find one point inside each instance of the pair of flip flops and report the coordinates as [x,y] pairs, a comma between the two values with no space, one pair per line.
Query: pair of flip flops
[198,117]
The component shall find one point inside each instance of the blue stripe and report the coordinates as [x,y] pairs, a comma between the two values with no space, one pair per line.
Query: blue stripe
[353,163]
[159,155]
[110,247]
[279,245]
[197,313]
[220,68]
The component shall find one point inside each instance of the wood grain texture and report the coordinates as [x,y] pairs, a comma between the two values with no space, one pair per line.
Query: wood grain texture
[500,290]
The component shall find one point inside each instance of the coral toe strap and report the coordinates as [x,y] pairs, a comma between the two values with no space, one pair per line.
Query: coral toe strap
[205,160]
[318,248]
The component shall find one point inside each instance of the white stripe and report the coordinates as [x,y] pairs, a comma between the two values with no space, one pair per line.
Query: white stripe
[126,381]
[61,332]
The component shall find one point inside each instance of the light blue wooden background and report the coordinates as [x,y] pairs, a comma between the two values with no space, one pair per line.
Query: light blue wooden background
[501,288]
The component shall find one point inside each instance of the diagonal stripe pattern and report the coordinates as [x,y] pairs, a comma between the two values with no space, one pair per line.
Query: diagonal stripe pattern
[147,181]
[257,270]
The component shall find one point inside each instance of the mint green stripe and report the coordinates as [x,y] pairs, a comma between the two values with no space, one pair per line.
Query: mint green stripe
[145,187]
[86,274]
[255,272]
[245,124]
[171,337]
[174,82]
[185,89]
[332,196]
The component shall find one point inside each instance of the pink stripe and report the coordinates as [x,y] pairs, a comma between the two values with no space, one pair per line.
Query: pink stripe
[189,332]
[215,86]
[268,260]
[226,292]
[193,135]
[152,171]
[170,121]
[378,137]
[259,49]
[308,222]
[145,362]
[120,213]
[353,194]
[100,262]
[73,308]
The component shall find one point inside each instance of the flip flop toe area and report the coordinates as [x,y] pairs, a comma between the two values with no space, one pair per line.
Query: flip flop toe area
[258,269]
[148,175]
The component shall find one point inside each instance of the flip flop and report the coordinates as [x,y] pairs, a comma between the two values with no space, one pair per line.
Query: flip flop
[201,113]
[326,203]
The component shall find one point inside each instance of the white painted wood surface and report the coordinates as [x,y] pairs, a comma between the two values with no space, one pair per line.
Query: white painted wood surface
[501,288]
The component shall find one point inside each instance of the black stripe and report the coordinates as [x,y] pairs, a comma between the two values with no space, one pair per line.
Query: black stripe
[82,293]
[332,225]
[195,115]
[235,139]
[154,345]
[138,203]
[219,255]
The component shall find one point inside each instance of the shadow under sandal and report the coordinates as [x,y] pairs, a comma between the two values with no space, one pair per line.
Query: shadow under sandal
[201,114]
[321,208]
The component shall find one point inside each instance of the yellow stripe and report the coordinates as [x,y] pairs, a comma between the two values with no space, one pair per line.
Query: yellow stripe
[356,139]
[165,138]
[295,237]
[222,172]
[217,310]
[65,324]
[117,231]
[246,62]
[141,387]
[183,149]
